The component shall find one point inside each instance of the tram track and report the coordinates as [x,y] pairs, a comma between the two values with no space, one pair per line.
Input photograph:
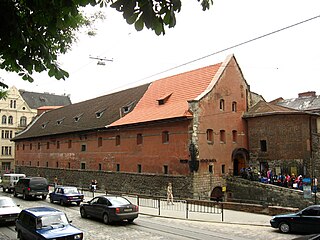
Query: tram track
[179,233]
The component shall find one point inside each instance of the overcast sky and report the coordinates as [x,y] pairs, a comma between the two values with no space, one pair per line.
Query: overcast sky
[277,65]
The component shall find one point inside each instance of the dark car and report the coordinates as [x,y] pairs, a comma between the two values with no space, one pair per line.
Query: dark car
[45,223]
[66,195]
[109,208]
[32,187]
[305,221]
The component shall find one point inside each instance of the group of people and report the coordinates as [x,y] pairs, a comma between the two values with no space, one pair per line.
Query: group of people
[283,180]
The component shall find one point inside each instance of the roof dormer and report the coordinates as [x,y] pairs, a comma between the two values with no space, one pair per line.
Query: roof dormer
[162,100]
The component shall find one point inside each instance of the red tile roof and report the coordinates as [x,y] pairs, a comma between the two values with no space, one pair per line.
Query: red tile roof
[174,92]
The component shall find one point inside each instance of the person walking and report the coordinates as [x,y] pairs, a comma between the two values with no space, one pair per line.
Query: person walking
[169,194]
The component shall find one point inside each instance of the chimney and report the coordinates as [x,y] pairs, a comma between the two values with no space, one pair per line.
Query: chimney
[307,94]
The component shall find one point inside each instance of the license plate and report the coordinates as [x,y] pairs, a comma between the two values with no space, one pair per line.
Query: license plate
[10,219]
[127,210]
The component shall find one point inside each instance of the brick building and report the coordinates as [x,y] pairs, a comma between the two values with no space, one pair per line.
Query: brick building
[187,128]
[283,139]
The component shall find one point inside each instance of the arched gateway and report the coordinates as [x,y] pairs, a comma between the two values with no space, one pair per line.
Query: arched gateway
[240,158]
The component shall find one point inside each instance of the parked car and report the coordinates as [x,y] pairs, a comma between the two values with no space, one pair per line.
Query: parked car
[306,221]
[9,180]
[66,195]
[109,208]
[9,210]
[32,187]
[45,223]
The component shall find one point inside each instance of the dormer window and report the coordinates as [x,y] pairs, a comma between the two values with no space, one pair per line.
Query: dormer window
[127,107]
[60,121]
[162,100]
[77,118]
[100,113]
[44,124]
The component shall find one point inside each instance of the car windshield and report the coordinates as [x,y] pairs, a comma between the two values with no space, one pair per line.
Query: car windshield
[55,219]
[118,201]
[7,203]
[71,191]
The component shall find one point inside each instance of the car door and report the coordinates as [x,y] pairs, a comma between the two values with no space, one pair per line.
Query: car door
[310,220]
[99,207]
[28,226]
[89,207]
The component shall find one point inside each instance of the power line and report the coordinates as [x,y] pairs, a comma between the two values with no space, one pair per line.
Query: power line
[231,47]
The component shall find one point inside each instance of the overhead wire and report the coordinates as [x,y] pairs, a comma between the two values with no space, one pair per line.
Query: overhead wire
[226,49]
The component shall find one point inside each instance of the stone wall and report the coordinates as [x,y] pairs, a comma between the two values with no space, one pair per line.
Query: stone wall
[242,190]
[149,184]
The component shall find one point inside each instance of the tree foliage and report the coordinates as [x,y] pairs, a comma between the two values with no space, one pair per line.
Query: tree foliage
[33,33]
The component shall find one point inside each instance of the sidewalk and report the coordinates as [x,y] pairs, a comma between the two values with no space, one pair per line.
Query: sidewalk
[178,210]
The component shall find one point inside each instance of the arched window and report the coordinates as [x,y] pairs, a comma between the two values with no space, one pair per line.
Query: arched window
[221,104]
[10,120]
[23,121]
[165,137]
[4,119]
[209,135]
[234,106]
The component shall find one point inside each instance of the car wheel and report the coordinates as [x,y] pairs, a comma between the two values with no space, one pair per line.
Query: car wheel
[130,220]
[284,227]
[4,189]
[51,199]
[19,236]
[24,196]
[61,202]
[83,213]
[105,218]
[15,194]
[44,197]
[78,203]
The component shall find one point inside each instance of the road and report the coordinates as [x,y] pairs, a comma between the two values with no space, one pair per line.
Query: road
[154,228]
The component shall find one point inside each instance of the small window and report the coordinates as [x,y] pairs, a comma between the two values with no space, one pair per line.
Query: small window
[39,145]
[210,168]
[117,140]
[4,119]
[10,120]
[38,164]
[23,146]
[234,136]
[234,106]
[77,118]
[100,167]
[165,169]
[139,168]
[83,147]
[30,146]
[100,113]
[263,145]
[58,144]
[69,143]
[99,141]
[47,164]
[221,104]
[83,165]
[118,167]
[165,137]
[223,169]
[23,121]
[57,164]
[139,139]
[222,136]
[69,165]
[209,135]
[48,145]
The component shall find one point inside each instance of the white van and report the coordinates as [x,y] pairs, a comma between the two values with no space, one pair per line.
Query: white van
[9,180]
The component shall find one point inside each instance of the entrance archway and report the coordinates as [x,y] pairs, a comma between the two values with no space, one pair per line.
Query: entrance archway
[216,194]
[240,157]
